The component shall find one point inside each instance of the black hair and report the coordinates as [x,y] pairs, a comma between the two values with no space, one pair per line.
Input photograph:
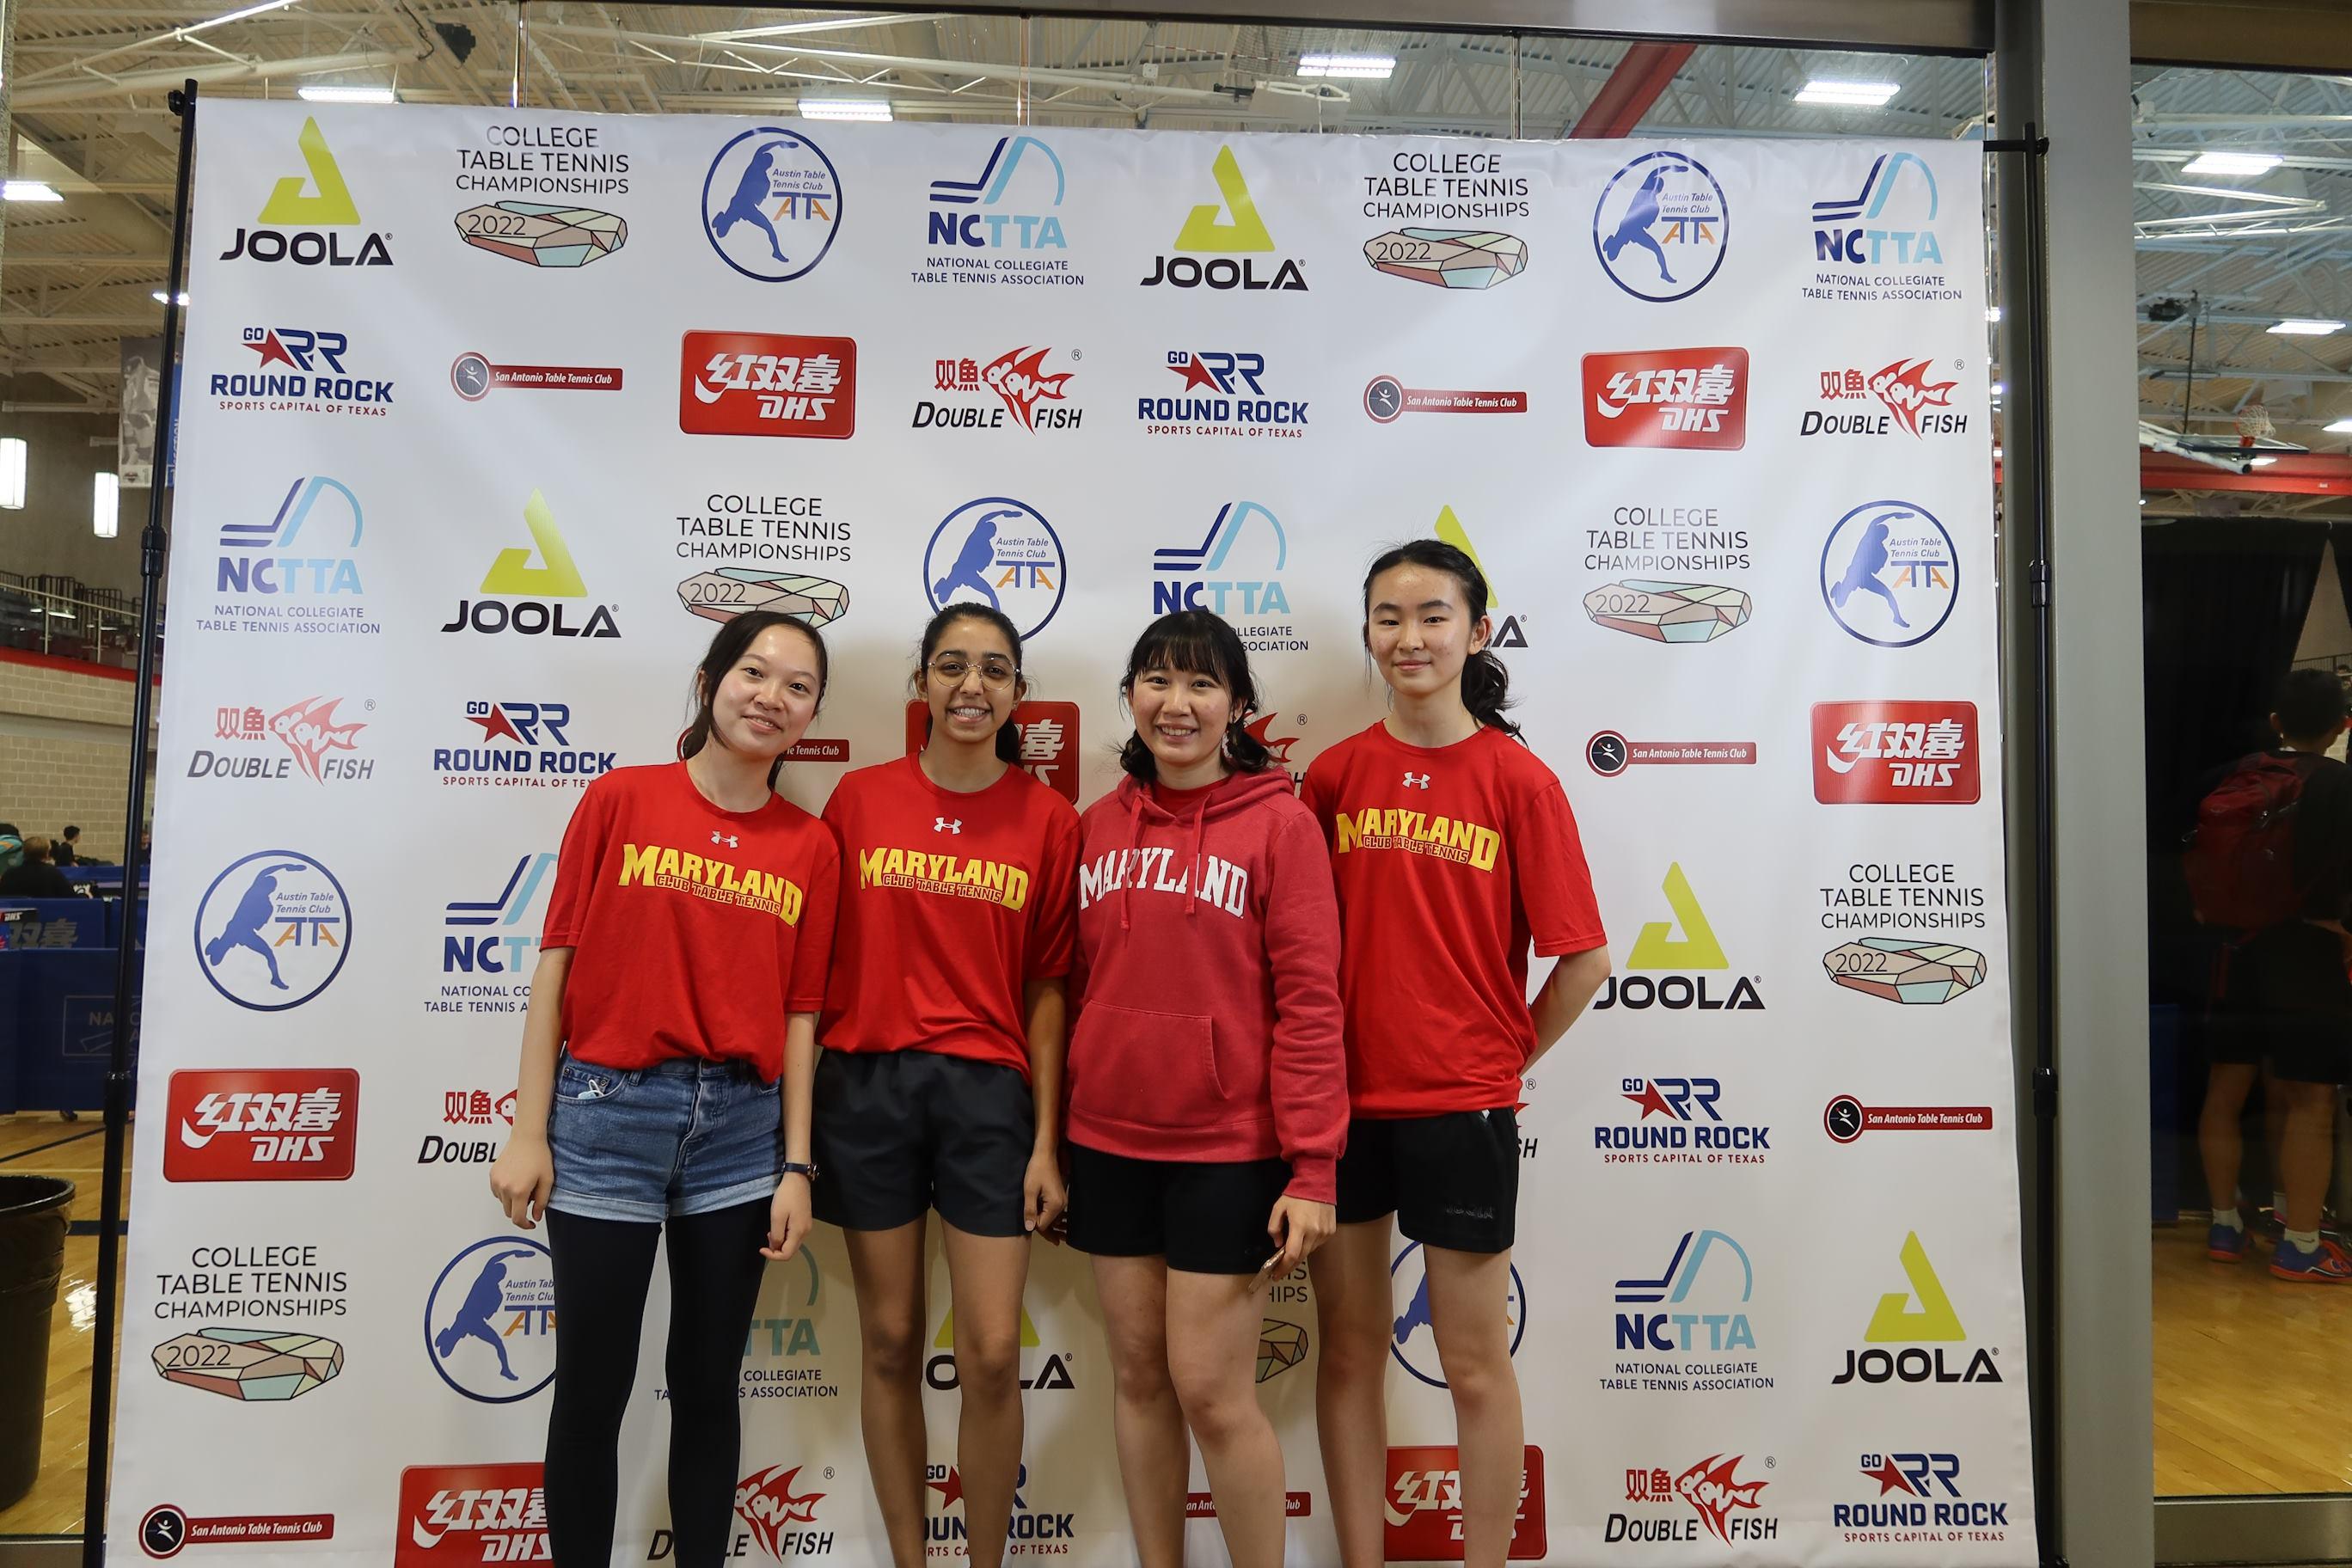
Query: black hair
[9,830]
[728,646]
[72,832]
[1199,642]
[2310,704]
[1008,734]
[1485,680]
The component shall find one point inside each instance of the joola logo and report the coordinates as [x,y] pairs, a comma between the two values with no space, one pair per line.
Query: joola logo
[300,206]
[1657,948]
[1208,230]
[555,577]
[1934,1321]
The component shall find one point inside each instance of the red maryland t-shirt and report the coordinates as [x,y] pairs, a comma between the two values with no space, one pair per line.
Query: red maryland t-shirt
[1450,862]
[949,904]
[697,929]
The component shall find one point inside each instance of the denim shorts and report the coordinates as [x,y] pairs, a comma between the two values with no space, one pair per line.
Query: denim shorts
[680,1137]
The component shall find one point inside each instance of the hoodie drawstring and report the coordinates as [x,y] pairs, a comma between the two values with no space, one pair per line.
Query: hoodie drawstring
[1126,882]
[1200,837]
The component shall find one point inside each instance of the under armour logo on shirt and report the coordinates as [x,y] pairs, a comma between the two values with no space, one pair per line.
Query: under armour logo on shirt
[1415,781]
[726,838]
[941,825]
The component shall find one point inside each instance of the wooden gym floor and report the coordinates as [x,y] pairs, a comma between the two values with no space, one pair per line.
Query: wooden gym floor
[2254,1378]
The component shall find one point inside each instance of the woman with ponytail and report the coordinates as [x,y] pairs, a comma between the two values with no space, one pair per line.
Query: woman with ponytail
[940,1084]
[1454,850]
[1207,1087]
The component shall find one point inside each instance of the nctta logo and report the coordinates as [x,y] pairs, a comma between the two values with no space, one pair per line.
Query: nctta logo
[772,203]
[1728,1509]
[499,935]
[1895,754]
[1700,1309]
[1890,575]
[259,560]
[1223,394]
[1013,205]
[1662,227]
[520,744]
[262,1125]
[462,1516]
[1908,400]
[1692,398]
[1247,588]
[1889,223]
[524,591]
[1422,1507]
[1032,397]
[1926,1496]
[316,378]
[306,217]
[1672,971]
[1924,1322]
[1675,1121]
[767,384]
[1000,553]
[313,743]
[273,930]
[1223,230]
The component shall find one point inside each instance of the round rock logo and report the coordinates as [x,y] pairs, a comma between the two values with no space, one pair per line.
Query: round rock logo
[1000,553]
[1662,227]
[772,203]
[273,930]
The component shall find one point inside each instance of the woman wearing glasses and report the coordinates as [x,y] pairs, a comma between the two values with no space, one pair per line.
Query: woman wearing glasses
[940,1083]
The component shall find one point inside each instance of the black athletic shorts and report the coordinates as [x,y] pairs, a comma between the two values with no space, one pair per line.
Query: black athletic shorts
[898,1132]
[2286,1001]
[1204,1218]
[1450,1180]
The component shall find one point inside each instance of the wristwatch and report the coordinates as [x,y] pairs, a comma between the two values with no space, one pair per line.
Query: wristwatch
[794,1167]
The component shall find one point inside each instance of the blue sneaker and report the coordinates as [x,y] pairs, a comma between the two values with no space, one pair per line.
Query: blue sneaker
[2225,1244]
[2326,1264]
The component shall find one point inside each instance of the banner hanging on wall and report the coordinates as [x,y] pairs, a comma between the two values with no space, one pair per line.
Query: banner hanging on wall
[491,415]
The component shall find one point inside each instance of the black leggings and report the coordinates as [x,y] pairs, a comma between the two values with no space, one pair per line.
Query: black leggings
[602,1269]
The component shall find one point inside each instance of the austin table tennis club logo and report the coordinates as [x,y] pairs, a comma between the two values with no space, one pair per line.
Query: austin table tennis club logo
[272,930]
[1662,227]
[490,1321]
[772,203]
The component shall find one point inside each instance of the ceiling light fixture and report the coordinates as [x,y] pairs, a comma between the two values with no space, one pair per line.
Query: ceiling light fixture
[1353,68]
[2304,327]
[1850,94]
[103,489]
[1992,312]
[28,191]
[12,472]
[157,295]
[2341,427]
[2233,165]
[326,94]
[869,109]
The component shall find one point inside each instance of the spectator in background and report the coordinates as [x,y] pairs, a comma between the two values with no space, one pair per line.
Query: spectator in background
[67,848]
[35,877]
[11,847]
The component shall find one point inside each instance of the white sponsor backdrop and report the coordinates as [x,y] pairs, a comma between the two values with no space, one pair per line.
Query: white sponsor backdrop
[362,777]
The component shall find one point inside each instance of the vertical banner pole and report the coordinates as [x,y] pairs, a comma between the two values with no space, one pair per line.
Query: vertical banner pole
[130,951]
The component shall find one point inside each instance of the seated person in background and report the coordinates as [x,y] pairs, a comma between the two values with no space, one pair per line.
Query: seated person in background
[67,848]
[35,877]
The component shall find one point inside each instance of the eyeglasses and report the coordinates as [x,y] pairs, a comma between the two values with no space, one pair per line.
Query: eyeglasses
[950,669]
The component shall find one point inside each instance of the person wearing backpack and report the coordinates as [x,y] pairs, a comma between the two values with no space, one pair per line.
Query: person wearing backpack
[2271,861]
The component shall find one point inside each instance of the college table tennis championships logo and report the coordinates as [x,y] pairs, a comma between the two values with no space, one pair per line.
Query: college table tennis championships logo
[767,384]
[1014,389]
[272,930]
[1421,188]
[305,739]
[1895,754]
[548,156]
[1002,228]
[520,596]
[490,1321]
[1421,1511]
[1672,962]
[1692,398]
[1890,575]
[538,233]
[296,570]
[1413,1334]
[1899,398]
[1916,972]
[1662,227]
[321,375]
[252,1367]
[1000,553]
[1222,391]
[1932,1344]
[780,530]
[309,218]
[1229,231]
[519,744]
[262,1125]
[1881,245]
[1707,1500]
[772,203]
[1678,1121]
[464,1516]
[1918,1499]
[1666,555]
[1900,919]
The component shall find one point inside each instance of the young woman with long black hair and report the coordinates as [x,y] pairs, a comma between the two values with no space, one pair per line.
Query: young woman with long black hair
[941,1079]
[1208,1085]
[1454,851]
[666,1059]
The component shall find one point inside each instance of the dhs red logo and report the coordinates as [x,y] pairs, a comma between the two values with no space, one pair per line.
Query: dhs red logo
[275,1124]
[1695,398]
[1895,754]
[453,1516]
[767,384]
[1423,1507]
[1049,742]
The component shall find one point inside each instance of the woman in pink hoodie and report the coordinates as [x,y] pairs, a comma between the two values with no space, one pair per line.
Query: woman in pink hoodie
[1208,1082]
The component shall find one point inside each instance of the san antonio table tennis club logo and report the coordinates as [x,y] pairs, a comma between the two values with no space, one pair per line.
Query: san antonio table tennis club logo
[272,930]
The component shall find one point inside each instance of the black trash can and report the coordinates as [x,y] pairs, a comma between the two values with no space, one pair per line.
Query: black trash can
[32,1257]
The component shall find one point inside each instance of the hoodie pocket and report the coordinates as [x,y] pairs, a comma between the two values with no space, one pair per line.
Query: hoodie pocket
[1148,1069]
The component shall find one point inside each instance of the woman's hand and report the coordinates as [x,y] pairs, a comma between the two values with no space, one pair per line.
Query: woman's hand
[1043,1197]
[523,1177]
[788,1218]
[1298,1225]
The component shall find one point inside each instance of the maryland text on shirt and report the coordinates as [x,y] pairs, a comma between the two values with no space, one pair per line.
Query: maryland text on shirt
[721,882]
[1448,838]
[964,878]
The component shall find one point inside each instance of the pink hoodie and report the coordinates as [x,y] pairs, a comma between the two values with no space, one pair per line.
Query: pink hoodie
[1207,983]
